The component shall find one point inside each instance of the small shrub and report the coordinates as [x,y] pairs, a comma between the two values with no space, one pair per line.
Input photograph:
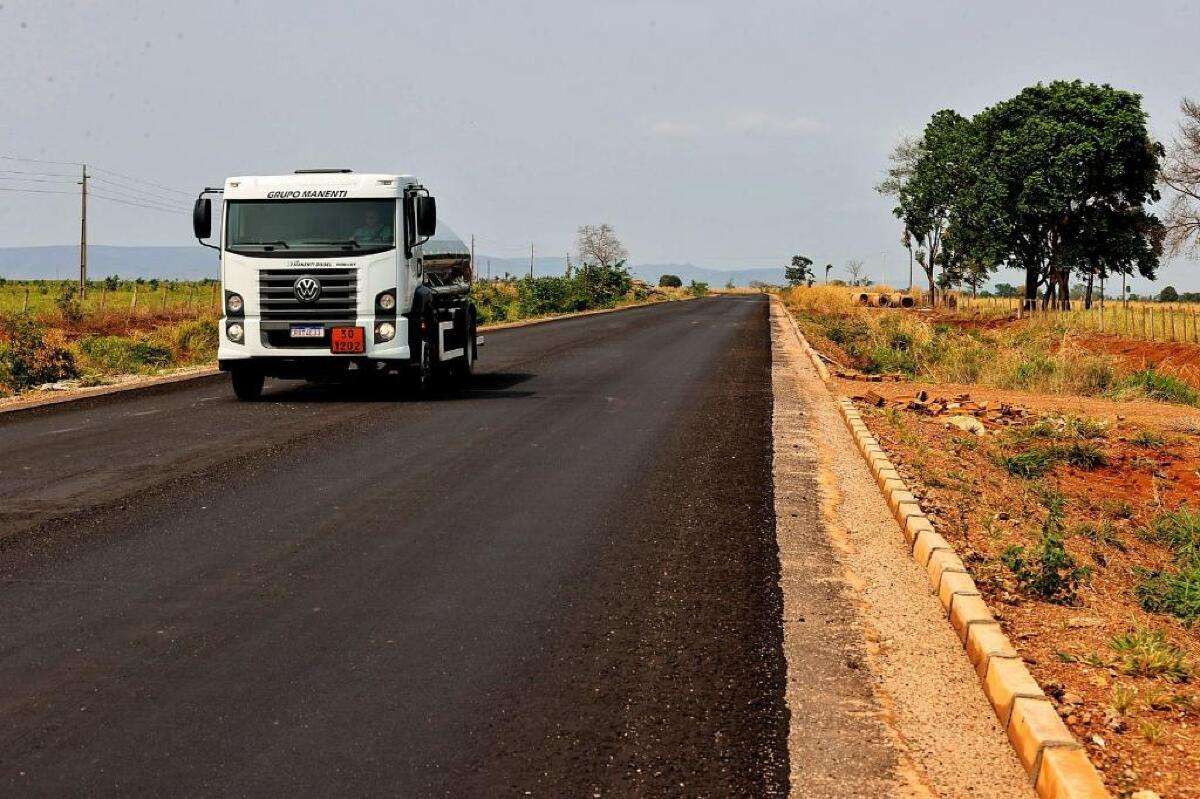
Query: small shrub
[1123,699]
[1047,571]
[1149,653]
[1148,440]
[1083,455]
[1155,385]
[1086,429]
[1176,593]
[1118,509]
[68,303]
[196,341]
[698,288]
[1180,530]
[1153,732]
[26,360]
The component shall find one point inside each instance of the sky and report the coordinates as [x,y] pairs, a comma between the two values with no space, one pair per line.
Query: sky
[721,134]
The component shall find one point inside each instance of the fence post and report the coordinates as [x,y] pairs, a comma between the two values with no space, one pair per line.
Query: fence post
[133,301]
[25,305]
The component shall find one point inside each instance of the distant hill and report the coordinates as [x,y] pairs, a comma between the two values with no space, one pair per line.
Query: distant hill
[649,272]
[196,262]
[62,261]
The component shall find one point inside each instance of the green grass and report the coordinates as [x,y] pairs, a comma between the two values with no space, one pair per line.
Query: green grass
[1032,463]
[1154,385]
[1180,531]
[1038,461]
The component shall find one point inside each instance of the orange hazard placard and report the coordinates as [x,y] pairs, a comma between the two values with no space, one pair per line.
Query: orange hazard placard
[347,339]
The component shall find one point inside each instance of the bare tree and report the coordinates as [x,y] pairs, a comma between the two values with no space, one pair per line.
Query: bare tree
[1181,173]
[855,268]
[598,246]
[904,157]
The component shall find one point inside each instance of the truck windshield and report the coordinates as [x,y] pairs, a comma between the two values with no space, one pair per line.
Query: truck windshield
[310,227]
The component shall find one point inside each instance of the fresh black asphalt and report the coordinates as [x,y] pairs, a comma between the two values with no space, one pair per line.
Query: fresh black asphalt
[562,582]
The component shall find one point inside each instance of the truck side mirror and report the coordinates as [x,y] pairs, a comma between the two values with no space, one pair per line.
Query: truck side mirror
[426,213]
[202,218]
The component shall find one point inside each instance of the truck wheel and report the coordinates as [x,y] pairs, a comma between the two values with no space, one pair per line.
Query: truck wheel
[247,383]
[420,374]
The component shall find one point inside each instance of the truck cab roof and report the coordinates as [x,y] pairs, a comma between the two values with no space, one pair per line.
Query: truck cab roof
[316,185]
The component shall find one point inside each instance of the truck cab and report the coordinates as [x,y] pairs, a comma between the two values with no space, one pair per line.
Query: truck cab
[331,273]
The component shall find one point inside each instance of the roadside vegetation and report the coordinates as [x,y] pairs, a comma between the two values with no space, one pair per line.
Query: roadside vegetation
[1040,354]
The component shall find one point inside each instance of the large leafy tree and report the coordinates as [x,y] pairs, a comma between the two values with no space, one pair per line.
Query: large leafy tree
[799,272]
[1062,174]
[926,179]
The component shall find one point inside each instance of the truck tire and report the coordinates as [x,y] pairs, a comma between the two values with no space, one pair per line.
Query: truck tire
[420,377]
[247,383]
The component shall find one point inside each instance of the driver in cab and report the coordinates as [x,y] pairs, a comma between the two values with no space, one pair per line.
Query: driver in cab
[373,230]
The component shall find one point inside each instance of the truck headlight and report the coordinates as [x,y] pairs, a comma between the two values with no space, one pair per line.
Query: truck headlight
[235,332]
[385,331]
[387,301]
[234,303]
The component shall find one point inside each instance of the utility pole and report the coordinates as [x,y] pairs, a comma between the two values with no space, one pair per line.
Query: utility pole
[472,256]
[83,232]
[531,260]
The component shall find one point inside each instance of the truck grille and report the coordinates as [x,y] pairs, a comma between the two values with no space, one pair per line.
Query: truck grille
[338,300]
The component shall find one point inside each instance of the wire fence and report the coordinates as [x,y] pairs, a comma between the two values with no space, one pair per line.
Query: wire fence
[1149,321]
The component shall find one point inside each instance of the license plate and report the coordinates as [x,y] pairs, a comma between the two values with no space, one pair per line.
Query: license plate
[347,339]
[308,331]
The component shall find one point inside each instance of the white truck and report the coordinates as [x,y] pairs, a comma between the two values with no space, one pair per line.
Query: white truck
[328,273]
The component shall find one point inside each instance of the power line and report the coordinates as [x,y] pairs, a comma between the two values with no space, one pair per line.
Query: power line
[140,180]
[139,205]
[42,174]
[100,196]
[39,180]
[36,191]
[157,195]
[39,160]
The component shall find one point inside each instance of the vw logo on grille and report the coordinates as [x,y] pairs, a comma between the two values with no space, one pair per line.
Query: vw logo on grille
[307,289]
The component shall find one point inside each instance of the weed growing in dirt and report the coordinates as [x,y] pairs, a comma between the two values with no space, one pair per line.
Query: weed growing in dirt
[1149,653]
[1153,732]
[1148,440]
[1048,571]
[1032,463]
[1180,530]
[1151,384]
[1083,455]
[1118,509]
[1123,699]
[1102,533]
[1176,593]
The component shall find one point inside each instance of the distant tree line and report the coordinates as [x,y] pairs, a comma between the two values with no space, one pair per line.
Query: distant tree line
[1055,182]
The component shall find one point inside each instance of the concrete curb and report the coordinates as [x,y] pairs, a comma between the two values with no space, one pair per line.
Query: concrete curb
[1057,765]
[163,380]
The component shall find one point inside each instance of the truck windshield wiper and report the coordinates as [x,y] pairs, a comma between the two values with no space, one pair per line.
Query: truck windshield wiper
[282,244]
[349,244]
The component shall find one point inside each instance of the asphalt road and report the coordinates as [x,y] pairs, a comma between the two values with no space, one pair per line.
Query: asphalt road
[562,582]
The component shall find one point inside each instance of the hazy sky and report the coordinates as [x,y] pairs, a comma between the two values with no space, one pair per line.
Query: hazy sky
[713,132]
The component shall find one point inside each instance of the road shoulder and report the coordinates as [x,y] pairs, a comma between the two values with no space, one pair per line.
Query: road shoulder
[877,685]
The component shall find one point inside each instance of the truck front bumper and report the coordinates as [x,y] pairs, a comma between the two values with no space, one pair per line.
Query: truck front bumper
[263,344]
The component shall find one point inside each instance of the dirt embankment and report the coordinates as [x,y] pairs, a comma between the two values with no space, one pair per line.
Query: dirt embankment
[1124,678]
